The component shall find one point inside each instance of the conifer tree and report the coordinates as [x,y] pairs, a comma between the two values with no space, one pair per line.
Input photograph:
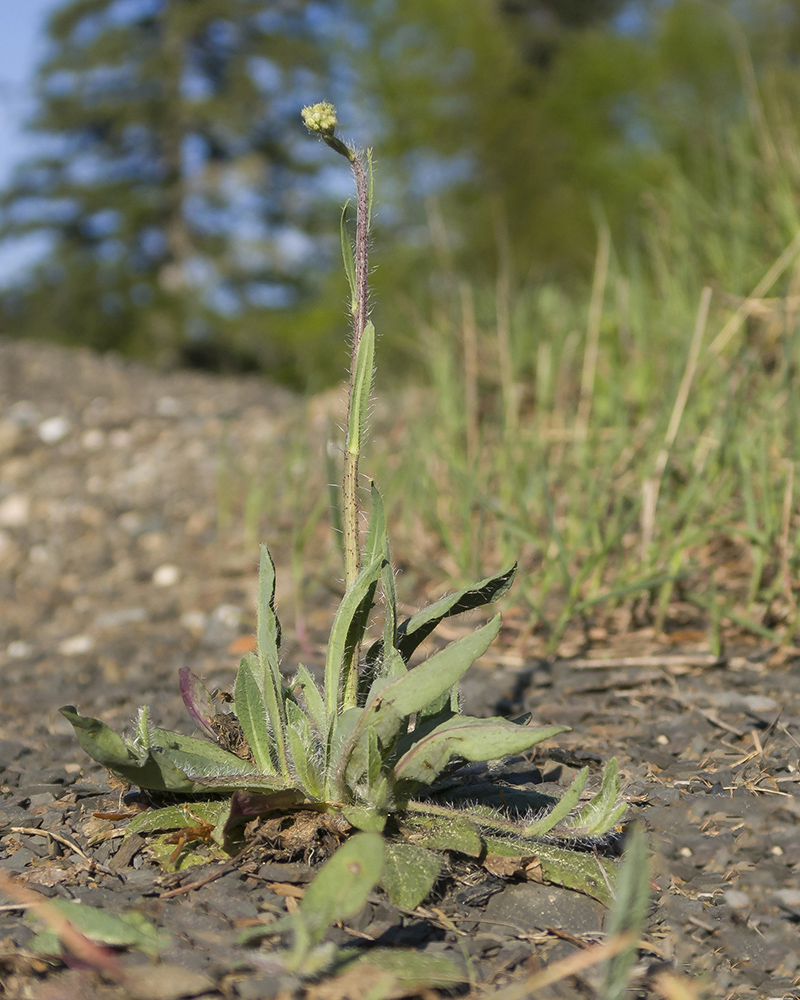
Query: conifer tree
[165,182]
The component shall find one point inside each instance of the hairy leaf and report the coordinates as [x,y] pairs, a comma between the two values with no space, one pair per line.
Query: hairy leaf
[602,812]
[409,873]
[579,870]
[472,739]
[561,809]
[341,632]
[418,627]
[251,712]
[343,883]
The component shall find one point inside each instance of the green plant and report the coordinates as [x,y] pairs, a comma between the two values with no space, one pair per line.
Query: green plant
[376,746]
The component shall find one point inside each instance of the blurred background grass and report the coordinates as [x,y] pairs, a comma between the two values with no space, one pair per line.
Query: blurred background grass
[587,284]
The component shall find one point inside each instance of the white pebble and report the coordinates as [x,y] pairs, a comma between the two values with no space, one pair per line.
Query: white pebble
[166,575]
[15,511]
[736,900]
[20,650]
[194,621]
[76,645]
[228,615]
[54,429]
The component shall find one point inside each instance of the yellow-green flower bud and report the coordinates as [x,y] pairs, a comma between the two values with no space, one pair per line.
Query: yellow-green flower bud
[321,118]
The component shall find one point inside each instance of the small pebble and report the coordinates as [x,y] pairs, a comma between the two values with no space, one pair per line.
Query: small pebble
[123,616]
[194,621]
[15,511]
[167,575]
[76,645]
[737,900]
[93,439]
[120,438]
[20,650]
[54,429]
[168,406]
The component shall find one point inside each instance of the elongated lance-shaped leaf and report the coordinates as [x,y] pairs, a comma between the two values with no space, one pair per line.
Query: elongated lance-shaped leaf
[347,257]
[269,677]
[198,701]
[376,545]
[333,479]
[268,628]
[362,387]
[628,913]
[139,766]
[602,812]
[315,706]
[418,627]
[207,755]
[472,739]
[387,573]
[579,870]
[341,632]
[252,714]
[561,809]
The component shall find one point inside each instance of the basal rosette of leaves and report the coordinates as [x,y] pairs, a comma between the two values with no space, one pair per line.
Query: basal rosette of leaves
[380,746]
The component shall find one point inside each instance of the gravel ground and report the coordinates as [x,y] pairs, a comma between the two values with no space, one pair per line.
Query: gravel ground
[114,573]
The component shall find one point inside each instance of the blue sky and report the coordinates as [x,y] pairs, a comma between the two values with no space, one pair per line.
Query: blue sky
[21,48]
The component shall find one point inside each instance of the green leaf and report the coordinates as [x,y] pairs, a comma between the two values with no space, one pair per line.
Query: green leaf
[196,756]
[561,809]
[340,632]
[342,885]
[416,629]
[269,678]
[178,817]
[628,913]
[315,706]
[407,972]
[250,710]
[409,873]
[453,833]
[602,812]
[414,690]
[472,739]
[579,870]
[304,750]
[377,526]
[127,930]
[145,769]
[392,701]
[364,818]
[347,256]
[268,628]
[362,388]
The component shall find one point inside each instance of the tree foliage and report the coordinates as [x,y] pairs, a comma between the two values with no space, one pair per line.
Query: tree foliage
[165,184]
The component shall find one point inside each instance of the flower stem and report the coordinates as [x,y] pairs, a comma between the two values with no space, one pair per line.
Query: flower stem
[321,119]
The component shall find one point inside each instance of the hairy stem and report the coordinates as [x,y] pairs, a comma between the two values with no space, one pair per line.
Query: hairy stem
[350,505]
